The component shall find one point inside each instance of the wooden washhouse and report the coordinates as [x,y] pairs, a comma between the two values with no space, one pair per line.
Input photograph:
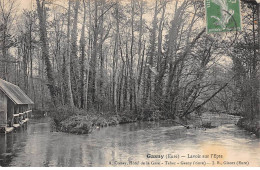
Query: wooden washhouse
[15,107]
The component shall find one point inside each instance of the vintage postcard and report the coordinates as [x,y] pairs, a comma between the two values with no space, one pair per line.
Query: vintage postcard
[129,83]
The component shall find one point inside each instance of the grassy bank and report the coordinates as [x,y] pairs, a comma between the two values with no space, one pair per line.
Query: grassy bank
[84,124]
[78,121]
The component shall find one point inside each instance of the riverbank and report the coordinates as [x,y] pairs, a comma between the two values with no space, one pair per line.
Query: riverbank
[80,122]
[84,124]
[251,125]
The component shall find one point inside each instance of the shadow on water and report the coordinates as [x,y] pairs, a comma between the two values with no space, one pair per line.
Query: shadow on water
[12,143]
[35,145]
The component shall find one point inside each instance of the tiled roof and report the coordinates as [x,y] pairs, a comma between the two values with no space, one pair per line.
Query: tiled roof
[14,93]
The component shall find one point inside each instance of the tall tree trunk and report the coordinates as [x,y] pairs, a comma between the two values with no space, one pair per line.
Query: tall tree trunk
[151,55]
[93,60]
[31,56]
[25,62]
[45,49]
[140,58]
[83,60]
[132,81]
[161,64]
[68,63]
[125,91]
[89,55]
[101,93]
[115,58]
[73,58]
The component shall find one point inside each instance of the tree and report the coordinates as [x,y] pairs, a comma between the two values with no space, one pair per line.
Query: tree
[74,58]
[83,60]
[68,60]
[7,12]
[45,49]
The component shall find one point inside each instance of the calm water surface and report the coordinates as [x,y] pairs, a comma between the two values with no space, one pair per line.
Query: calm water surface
[36,145]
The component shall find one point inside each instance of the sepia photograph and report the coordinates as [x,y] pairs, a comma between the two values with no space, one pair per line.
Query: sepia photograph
[129,83]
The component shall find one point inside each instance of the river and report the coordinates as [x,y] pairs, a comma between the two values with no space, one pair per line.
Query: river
[35,145]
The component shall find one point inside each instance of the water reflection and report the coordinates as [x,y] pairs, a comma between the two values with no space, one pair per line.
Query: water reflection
[10,144]
[37,146]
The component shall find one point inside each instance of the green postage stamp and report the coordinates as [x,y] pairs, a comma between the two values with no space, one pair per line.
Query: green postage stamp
[223,15]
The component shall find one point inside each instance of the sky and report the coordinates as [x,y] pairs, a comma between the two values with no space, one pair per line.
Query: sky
[25,4]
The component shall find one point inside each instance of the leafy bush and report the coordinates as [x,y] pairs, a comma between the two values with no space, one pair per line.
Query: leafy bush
[77,124]
[63,112]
